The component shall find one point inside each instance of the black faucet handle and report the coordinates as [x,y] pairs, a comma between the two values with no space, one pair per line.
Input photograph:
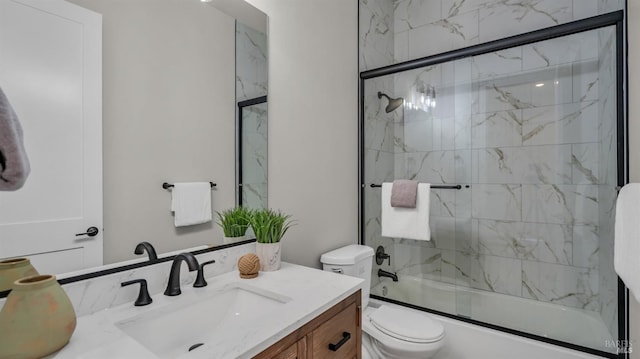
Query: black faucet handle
[143,296]
[200,281]
[381,256]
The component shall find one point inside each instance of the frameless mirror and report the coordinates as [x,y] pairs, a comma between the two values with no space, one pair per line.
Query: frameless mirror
[116,98]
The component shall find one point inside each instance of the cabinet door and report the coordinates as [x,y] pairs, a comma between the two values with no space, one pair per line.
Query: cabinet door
[295,351]
[289,353]
[337,337]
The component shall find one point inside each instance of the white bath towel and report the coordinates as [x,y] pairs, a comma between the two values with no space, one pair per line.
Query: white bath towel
[412,223]
[626,254]
[191,203]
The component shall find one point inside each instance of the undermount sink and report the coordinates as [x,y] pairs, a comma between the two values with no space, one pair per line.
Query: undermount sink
[172,330]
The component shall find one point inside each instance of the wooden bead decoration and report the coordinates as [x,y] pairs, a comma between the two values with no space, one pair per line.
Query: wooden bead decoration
[249,266]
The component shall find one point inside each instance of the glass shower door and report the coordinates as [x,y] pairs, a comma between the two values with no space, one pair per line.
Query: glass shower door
[530,135]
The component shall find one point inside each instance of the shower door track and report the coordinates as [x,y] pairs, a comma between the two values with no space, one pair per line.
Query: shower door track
[610,19]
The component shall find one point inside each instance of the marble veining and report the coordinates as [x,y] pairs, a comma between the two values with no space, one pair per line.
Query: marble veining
[586,249]
[496,64]
[453,32]
[254,156]
[526,165]
[524,15]
[576,287]
[568,49]
[584,161]
[549,243]
[531,128]
[376,33]
[497,129]
[251,66]
[561,124]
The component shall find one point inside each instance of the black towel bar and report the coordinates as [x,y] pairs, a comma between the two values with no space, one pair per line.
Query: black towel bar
[434,186]
[169,185]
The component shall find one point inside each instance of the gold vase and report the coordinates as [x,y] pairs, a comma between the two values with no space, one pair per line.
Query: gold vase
[37,318]
[14,269]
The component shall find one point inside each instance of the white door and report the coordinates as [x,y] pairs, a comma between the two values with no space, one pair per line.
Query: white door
[51,72]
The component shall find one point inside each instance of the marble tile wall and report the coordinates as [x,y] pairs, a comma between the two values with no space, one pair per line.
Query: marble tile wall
[537,221]
[379,144]
[530,154]
[251,82]
[375,33]
[254,156]
[607,190]
[394,31]
[251,63]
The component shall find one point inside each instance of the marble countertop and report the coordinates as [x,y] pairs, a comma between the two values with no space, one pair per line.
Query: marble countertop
[309,291]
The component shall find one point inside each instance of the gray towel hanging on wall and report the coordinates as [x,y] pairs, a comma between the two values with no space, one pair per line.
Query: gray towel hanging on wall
[14,164]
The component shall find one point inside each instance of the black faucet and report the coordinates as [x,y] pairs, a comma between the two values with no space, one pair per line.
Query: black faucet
[381,256]
[143,296]
[384,273]
[173,287]
[200,281]
[146,246]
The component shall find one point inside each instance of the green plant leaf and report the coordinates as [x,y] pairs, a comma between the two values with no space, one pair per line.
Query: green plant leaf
[270,226]
[235,221]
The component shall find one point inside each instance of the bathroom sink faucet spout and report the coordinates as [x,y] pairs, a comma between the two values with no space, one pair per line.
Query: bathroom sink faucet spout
[173,287]
[148,247]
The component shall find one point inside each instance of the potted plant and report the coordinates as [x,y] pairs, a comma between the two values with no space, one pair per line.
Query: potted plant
[234,223]
[269,227]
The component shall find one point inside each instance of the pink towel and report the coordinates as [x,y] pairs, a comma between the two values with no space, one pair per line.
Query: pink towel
[403,193]
[14,164]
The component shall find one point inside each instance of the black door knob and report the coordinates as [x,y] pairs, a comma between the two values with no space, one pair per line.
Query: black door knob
[91,232]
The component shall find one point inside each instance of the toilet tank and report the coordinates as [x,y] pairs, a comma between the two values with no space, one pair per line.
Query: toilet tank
[353,260]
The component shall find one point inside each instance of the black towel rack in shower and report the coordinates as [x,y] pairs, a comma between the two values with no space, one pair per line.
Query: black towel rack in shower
[434,186]
[169,185]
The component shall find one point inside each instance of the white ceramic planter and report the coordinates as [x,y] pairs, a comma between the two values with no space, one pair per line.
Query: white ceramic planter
[269,254]
[229,240]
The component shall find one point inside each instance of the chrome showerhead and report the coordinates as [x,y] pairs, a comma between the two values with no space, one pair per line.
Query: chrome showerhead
[394,103]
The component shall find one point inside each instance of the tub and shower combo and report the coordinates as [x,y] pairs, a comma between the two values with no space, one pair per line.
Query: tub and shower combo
[526,138]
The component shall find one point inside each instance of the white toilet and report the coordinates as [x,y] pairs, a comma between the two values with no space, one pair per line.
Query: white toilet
[388,332]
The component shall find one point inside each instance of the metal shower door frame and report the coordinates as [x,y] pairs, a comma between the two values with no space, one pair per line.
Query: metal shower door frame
[593,23]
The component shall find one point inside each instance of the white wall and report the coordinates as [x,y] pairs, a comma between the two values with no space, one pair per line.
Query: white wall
[169,109]
[633,14]
[313,122]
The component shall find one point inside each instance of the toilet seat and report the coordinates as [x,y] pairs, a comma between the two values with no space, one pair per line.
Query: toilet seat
[407,326]
[387,346]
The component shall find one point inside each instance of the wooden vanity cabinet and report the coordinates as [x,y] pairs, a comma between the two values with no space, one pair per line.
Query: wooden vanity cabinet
[336,333]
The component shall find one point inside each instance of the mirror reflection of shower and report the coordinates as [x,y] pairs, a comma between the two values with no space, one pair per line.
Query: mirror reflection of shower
[394,103]
[423,97]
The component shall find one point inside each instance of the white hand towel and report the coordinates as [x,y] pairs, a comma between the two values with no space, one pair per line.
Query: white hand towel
[626,254]
[412,223]
[191,203]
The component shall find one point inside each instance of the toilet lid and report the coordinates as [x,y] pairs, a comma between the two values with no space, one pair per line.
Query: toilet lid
[406,325]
